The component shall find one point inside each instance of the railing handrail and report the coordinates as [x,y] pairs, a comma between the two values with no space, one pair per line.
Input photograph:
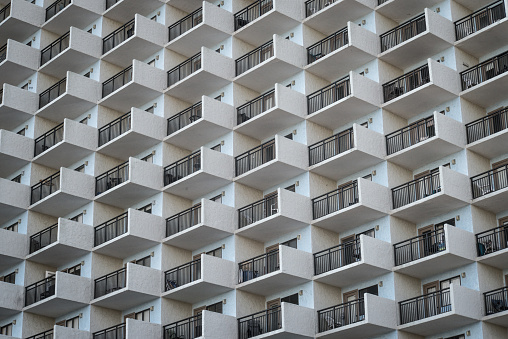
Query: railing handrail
[54,43]
[254,51]
[42,281]
[475,13]
[106,223]
[188,210]
[181,113]
[335,136]
[438,292]
[118,29]
[260,97]
[44,231]
[254,149]
[179,22]
[183,62]
[273,309]
[43,181]
[4,9]
[332,85]
[347,303]
[109,328]
[43,334]
[501,289]
[54,4]
[246,9]
[259,256]
[182,160]
[419,237]
[108,125]
[489,172]
[338,247]
[399,27]
[179,267]
[487,119]
[116,168]
[196,317]
[53,87]
[122,72]
[342,30]
[258,202]
[3,47]
[48,133]
[416,70]
[111,274]
[481,64]
[335,191]
[491,230]
[408,127]
[416,180]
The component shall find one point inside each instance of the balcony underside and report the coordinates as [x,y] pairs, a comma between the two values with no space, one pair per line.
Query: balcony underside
[127,144]
[195,291]
[268,175]
[359,330]
[267,73]
[189,43]
[125,195]
[11,118]
[123,299]
[348,218]
[400,11]
[262,29]
[196,134]
[132,48]
[487,40]
[199,83]
[13,73]
[196,185]
[130,95]
[68,60]
[271,283]
[489,92]
[58,204]
[432,265]
[494,202]
[6,312]
[6,261]
[56,254]
[500,319]
[196,237]
[282,334]
[128,8]
[124,246]
[437,324]
[71,15]
[65,106]
[497,259]
[15,29]
[53,307]
[9,163]
[62,154]
[492,146]
[350,274]
[271,227]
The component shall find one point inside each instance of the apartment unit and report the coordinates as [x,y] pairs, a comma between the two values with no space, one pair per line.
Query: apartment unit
[253,169]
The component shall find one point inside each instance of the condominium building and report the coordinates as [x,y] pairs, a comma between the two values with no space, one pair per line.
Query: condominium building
[179,169]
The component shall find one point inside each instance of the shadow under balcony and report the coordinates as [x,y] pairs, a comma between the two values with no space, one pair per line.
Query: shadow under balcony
[14,112]
[14,199]
[496,303]
[62,14]
[492,247]
[490,189]
[17,62]
[19,19]
[489,135]
[13,248]
[16,151]
[11,300]
[118,10]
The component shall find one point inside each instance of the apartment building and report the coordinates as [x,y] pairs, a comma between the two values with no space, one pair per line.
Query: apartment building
[184,169]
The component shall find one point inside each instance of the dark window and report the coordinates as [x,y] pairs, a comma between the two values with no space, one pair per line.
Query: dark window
[21,131]
[218,98]
[217,307]
[143,315]
[74,270]
[146,261]
[216,148]
[290,243]
[78,218]
[13,227]
[460,336]
[80,169]
[150,109]
[148,158]
[72,323]
[292,299]
[6,330]
[29,44]
[9,278]
[216,252]
[217,198]
[84,121]
[368,177]
[441,224]
[146,209]
[87,75]
[289,136]
[152,63]
[291,188]
[17,178]
[217,50]
[154,18]
[90,30]
[371,289]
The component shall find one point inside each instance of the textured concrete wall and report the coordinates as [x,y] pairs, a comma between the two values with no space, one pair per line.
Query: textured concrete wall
[86,43]
[75,234]
[144,279]
[219,326]
[22,55]
[141,329]
[73,287]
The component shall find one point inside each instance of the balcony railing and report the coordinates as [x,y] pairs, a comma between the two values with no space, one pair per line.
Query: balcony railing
[254,57]
[49,139]
[110,283]
[492,241]
[330,147]
[5,12]
[184,118]
[114,332]
[114,129]
[183,220]
[184,69]
[182,168]
[1,95]
[314,6]
[259,323]
[327,45]
[490,181]
[341,315]
[425,306]
[111,229]
[258,266]
[3,53]
[56,7]
[252,12]
[411,135]
[118,36]
[183,274]
[380,2]
[188,328]
[486,70]
[480,19]
[419,247]
[496,301]
[258,210]
[52,93]
[55,48]
[44,335]
[40,290]
[111,3]
[255,157]
[337,257]
[256,106]
[335,200]
[43,238]
[406,83]
[403,32]
[328,95]
[185,24]
[483,127]
[45,188]
[416,189]
[112,178]
[116,81]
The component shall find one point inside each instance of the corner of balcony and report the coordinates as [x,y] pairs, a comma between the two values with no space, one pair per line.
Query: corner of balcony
[16,151]
[17,62]
[13,111]
[496,307]
[14,199]
[118,10]
[24,20]
[227,328]
[490,189]
[78,13]
[488,135]
[11,299]
[68,332]
[13,248]
[493,248]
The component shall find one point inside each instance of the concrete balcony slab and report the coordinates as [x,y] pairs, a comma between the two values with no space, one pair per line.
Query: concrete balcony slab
[79,13]
[20,62]
[14,199]
[13,111]
[16,151]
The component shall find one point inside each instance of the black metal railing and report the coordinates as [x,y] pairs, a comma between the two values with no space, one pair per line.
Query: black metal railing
[490,181]
[40,290]
[256,106]
[337,257]
[111,229]
[184,118]
[403,32]
[416,189]
[328,95]
[330,147]
[314,6]
[182,168]
[254,57]
[110,283]
[1,95]
[114,129]
[259,323]
[492,240]
[116,81]
[258,210]
[406,83]
[255,157]
[380,2]
[335,200]
[5,12]
[55,48]
[341,315]
[3,53]
[112,178]
[184,69]
[183,274]
[45,188]
[258,266]
[56,7]
[488,125]
[484,71]
[44,335]
[496,301]
[327,45]
[419,247]
[114,332]
[185,24]
[111,3]
[411,135]
[118,36]
[43,238]
[425,306]
[52,93]
[252,12]
[183,220]
[49,139]
[480,19]
[188,328]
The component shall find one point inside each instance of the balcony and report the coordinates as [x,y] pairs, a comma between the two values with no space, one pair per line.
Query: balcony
[200,225]
[350,263]
[137,39]
[440,311]
[490,189]
[62,14]
[14,112]
[127,234]
[57,295]
[344,101]
[135,84]
[70,52]
[65,144]
[419,38]
[129,183]
[267,64]
[17,62]
[68,332]
[130,286]
[496,303]
[68,98]
[198,174]
[118,10]
[366,317]
[435,252]
[492,247]
[346,152]
[14,199]
[487,135]
[207,26]
[130,329]
[271,163]
[401,10]
[13,248]
[130,134]
[274,216]
[15,152]
[200,124]
[11,301]
[351,205]
[481,32]
[275,271]
[341,52]
[430,196]
[19,19]
[425,141]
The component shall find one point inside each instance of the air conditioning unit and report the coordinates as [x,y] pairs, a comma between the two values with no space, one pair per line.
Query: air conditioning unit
[50,274]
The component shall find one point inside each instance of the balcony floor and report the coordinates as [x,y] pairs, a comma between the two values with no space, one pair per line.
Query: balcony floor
[15,29]
[500,319]
[437,324]
[281,334]
[497,259]
[268,175]
[189,43]
[68,60]
[494,202]
[271,227]
[13,73]
[272,283]
[65,106]
[264,75]
[71,15]
[127,144]
[123,299]
[195,237]
[127,9]
[124,246]
[192,88]
[56,254]
[195,291]
[58,204]
[196,134]
[53,307]
[350,274]
[432,265]
[11,118]
[492,146]
[488,92]
[129,95]
[487,40]
[132,48]
[62,154]
[196,185]
[9,163]
[348,218]
[125,195]
[358,330]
